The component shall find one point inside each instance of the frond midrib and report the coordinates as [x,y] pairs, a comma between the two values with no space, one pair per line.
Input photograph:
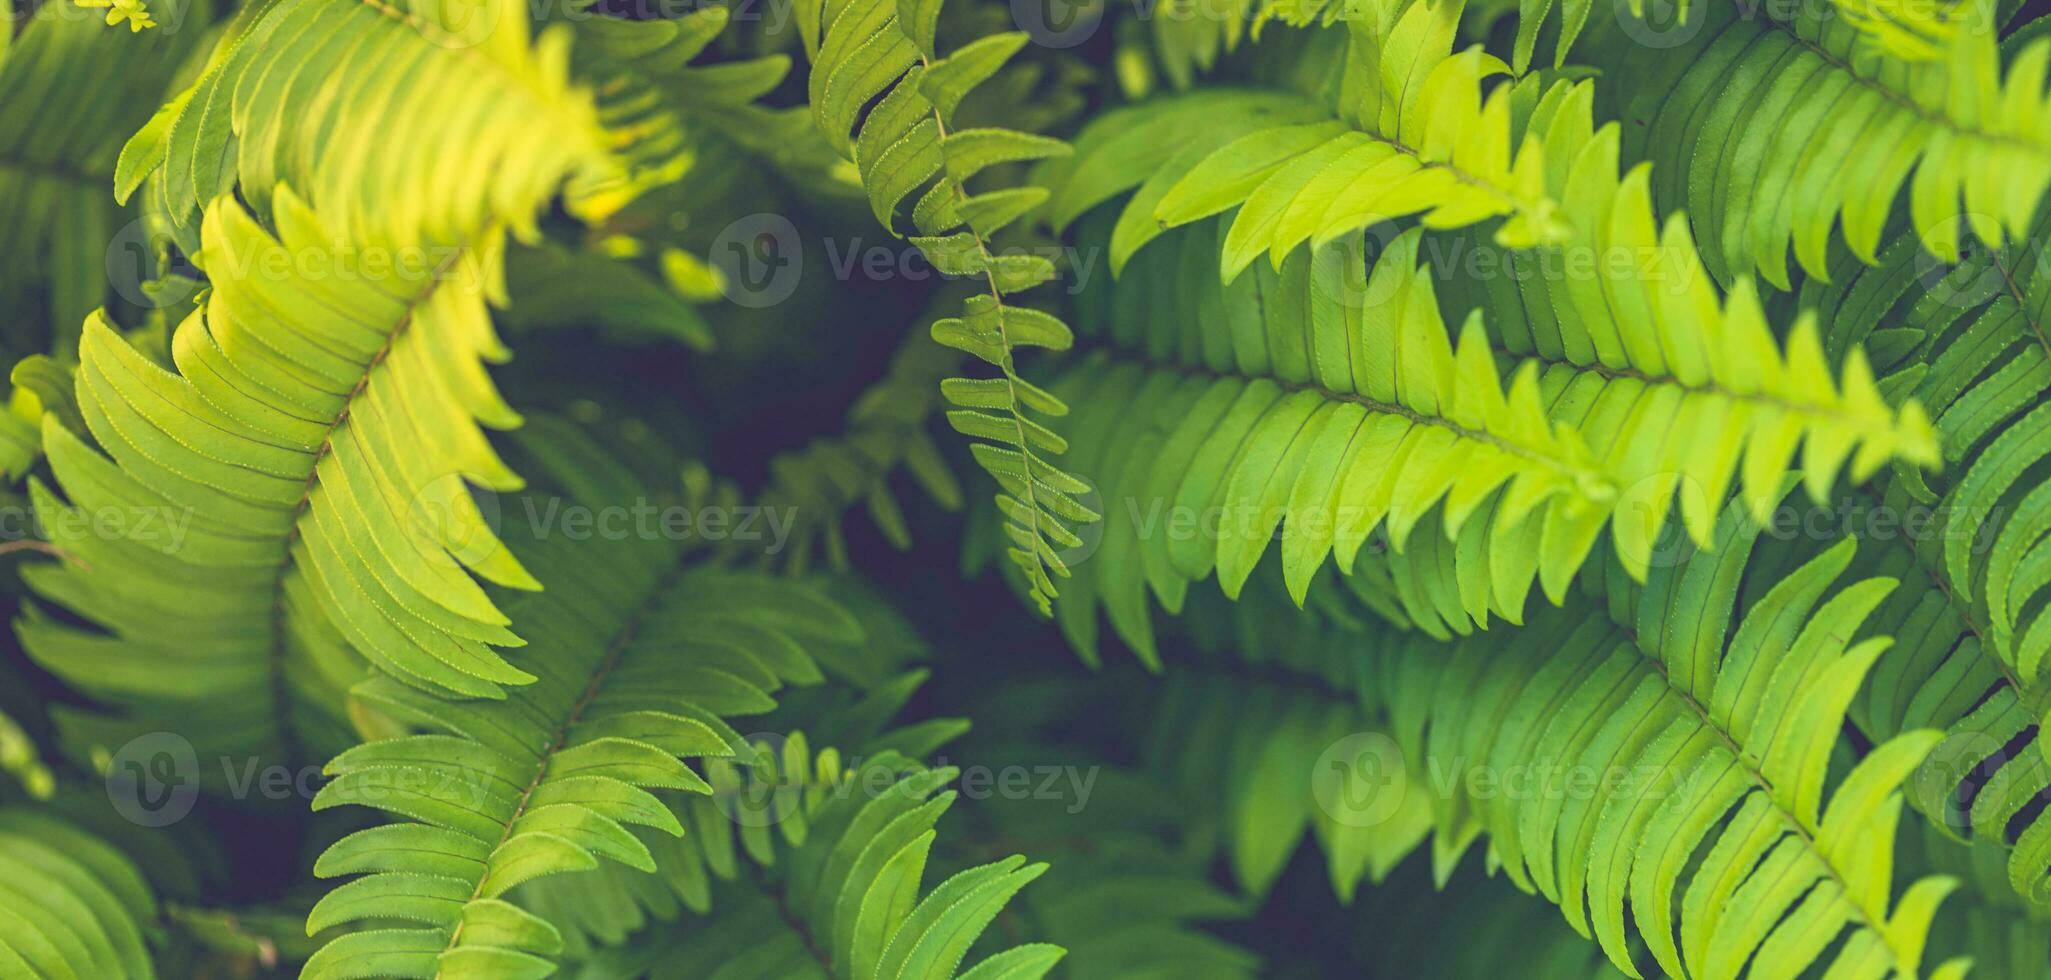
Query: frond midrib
[780,898]
[1029,496]
[1862,916]
[280,686]
[631,627]
[2015,291]
[2037,699]
[1840,419]
[455,43]
[1459,173]
[1519,450]
[1938,120]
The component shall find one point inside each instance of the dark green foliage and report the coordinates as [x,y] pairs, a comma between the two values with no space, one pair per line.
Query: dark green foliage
[1449,467]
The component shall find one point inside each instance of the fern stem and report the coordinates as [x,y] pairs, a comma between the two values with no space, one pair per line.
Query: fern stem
[280,690]
[791,921]
[556,741]
[1907,104]
[1010,369]
[2022,304]
[1860,914]
[1381,407]
[1841,419]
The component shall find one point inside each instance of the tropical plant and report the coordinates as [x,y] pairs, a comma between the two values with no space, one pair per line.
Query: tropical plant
[434,434]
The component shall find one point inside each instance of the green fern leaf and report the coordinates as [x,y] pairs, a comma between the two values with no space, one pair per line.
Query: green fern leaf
[298,488]
[548,780]
[1415,137]
[1964,133]
[1326,409]
[61,131]
[1741,752]
[252,119]
[867,53]
[70,904]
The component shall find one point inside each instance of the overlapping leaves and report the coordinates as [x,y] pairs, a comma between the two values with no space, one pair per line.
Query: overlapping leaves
[1413,135]
[1713,829]
[887,100]
[70,904]
[296,488]
[1301,402]
[637,666]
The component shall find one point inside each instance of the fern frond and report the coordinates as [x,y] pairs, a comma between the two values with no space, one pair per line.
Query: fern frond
[1711,737]
[2007,938]
[548,779]
[1969,341]
[1413,135]
[1273,737]
[70,904]
[40,385]
[1129,888]
[20,759]
[761,804]
[474,124]
[908,142]
[1261,424]
[849,903]
[1278,386]
[659,103]
[1967,132]
[1905,31]
[66,114]
[296,489]
[754,809]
